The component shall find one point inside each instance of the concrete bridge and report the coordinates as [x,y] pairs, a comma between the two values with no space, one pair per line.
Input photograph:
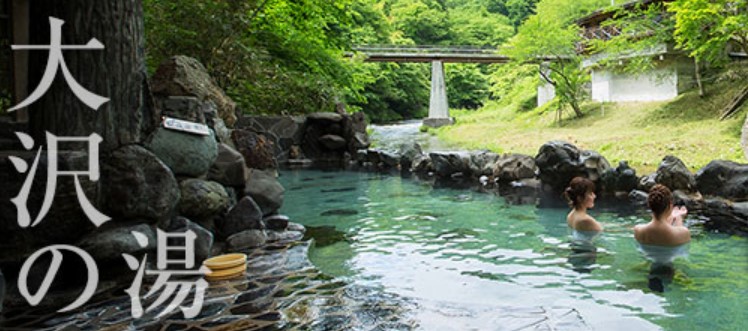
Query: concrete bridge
[437,55]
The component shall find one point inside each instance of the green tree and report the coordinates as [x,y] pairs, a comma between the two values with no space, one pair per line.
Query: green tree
[704,27]
[424,21]
[478,27]
[467,86]
[552,35]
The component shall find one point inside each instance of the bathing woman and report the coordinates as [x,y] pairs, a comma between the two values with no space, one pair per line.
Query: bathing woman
[581,196]
[664,238]
[584,228]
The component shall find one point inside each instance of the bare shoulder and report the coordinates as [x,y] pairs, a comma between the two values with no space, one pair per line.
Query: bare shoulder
[638,231]
[683,234]
[588,223]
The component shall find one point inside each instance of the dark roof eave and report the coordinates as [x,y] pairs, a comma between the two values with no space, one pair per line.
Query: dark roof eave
[606,13]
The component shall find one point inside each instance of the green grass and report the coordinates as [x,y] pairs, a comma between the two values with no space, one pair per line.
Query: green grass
[640,132]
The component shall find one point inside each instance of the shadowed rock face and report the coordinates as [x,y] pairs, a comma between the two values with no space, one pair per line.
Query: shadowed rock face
[560,161]
[724,178]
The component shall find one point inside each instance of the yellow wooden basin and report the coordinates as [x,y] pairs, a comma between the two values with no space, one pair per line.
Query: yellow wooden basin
[226,261]
[221,274]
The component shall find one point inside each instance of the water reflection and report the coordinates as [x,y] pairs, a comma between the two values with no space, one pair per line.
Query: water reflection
[583,250]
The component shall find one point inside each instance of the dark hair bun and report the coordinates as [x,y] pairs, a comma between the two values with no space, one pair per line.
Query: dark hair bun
[659,199]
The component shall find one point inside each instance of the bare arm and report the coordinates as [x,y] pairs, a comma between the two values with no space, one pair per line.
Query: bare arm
[678,214]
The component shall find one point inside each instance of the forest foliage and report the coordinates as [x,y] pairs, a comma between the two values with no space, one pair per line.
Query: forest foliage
[292,57]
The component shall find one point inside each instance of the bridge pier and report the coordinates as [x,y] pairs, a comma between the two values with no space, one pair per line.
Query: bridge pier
[438,106]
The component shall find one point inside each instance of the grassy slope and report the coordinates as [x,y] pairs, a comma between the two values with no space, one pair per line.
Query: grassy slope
[640,132]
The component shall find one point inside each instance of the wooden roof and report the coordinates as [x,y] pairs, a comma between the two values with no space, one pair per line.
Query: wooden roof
[601,15]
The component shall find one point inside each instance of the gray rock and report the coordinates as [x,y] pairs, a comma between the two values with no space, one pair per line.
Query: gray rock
[446,163]
[559,161]
[276,222]
[229,168]
[246,215]
[726,179]
[295,227]
[675,175]
[204,239]
[325,117]
[482,163]
[202,200]
[110,244]
[408,153]
[182,107]
[186,76]
[184,153]
[332,142]
[638,197]
[283,237]
[135,184]
[647,182]
[621,179]
[257,149]
[265,189]
[247,239]
[422,164]
[390,159]
[513,167]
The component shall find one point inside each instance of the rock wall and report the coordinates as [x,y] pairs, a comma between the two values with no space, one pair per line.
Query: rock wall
[223,186]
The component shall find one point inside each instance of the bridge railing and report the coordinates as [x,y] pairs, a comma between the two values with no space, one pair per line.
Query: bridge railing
[425,49]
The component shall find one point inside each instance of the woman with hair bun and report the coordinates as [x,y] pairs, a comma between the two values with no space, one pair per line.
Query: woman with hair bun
[666,227]
[664,238]
[584,228]
[581,196]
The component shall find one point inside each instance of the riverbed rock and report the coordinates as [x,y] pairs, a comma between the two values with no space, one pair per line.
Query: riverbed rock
[202,200]
[276,222]
[204,239]
[283,237]
[110,244]
[674,174]
[325,117]
[185,76]
[647,182]
[448,163]
[247,239]
[389,159]
[512,167]
[638,197]
[422,164]
[621,179]
[229,168]
[332,142]
[265,189]
[409,151]
[182,107]
[184,153]
[482,163]
[256,148]
[559,161]
[725,179]
[246,215]
[135,184]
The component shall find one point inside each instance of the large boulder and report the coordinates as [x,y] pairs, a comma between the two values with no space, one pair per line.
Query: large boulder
[109,244]
[204,239]
[265,189]
[482,163]
[202,200]
[559,161]
[246,215]
[725,179]
[186,154]
[448,163]
[332,142]
[512,167]
[621,179]
[186,76]
[182,107]
[674,174]
[135,184]
[409,151]
[256,148]
[229,168]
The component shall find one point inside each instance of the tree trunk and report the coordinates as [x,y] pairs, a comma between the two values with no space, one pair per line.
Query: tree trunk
[697,69]
[117,72]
